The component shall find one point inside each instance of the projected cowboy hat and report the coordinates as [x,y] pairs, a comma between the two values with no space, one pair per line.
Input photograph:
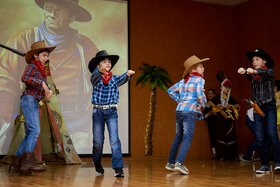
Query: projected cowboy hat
[82,14]
[35,48]
[191,62]
[101,55]
[260,53]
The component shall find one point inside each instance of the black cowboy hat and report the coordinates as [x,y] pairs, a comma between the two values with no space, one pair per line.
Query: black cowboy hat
[82,14]
[101,55]
[260,53]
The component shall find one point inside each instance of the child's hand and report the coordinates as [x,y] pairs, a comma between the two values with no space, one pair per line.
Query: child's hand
[241,71]
[45,87]
[130,72]
[103,70]
[48,95]
[198,108]
[251,71]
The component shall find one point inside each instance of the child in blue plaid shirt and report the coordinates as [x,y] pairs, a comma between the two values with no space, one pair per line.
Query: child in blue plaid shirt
[105,97]
[189,94]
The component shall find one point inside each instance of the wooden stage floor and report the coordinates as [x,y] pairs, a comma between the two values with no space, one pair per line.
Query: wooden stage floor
[144,172]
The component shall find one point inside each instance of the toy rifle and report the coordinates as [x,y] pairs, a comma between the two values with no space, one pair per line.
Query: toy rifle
[13,50]
[256,107]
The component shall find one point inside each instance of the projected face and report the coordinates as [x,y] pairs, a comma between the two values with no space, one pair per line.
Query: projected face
[56,17]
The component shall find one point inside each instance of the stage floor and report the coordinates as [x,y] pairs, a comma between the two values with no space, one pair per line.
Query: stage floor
[145,172]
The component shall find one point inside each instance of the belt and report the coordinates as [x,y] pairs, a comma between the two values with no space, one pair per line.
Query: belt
[260,103]
[105,107]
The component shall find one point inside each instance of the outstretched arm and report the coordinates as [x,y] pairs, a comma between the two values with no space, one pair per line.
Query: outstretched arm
[244,72]
[120,80]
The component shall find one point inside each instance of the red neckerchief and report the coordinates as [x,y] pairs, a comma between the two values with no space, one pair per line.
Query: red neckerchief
[191,75]
[40,66]
[106,78]
[257,77]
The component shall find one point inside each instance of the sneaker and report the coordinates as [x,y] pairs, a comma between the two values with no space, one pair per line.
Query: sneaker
[263,170]
[170,167]
[181,168]
[119,172]
[99,169]
[246,159]
[277,168]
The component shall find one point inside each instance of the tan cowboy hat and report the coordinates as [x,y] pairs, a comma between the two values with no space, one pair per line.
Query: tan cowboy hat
[35,48]
[191,62]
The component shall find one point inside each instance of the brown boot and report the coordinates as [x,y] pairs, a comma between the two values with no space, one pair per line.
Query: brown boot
[14,164]
[28,164]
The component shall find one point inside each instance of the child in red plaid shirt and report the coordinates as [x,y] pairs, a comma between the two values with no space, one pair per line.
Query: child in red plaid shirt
[36,89]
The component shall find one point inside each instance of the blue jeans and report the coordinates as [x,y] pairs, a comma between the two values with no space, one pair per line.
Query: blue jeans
[99,118]
[265,130]
[30,110]
[254,146]
[185,123]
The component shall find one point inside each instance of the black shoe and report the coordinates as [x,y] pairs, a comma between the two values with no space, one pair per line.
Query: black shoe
[246,159]
[99,169]
[119,172]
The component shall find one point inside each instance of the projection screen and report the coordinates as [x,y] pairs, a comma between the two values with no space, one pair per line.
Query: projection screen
[84,27]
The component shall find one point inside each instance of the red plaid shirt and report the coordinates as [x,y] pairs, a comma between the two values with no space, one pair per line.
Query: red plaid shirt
[33,80]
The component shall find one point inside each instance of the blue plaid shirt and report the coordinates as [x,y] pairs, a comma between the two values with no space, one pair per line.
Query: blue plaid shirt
[103,94]
[190,95]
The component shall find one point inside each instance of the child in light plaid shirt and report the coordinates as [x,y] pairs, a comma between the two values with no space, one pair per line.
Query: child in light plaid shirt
[189,94]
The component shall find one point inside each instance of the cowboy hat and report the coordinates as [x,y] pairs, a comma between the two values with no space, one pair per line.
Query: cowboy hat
[260,53]
[101,55]
[81,13]
[191,62]
[35,48]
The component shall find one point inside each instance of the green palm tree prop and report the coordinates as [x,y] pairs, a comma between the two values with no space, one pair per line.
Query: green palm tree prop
[156,77]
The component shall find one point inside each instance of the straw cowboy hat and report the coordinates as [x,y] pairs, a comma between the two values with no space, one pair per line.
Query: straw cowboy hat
[191,62]
[260,53]
[82,14]
[101,55]
[35,48]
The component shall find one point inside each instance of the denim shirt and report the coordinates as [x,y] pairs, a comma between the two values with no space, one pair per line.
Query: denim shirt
[262,89]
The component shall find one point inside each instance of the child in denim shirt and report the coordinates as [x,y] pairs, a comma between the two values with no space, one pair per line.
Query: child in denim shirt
[105,97]
[189,94]
[262,78]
